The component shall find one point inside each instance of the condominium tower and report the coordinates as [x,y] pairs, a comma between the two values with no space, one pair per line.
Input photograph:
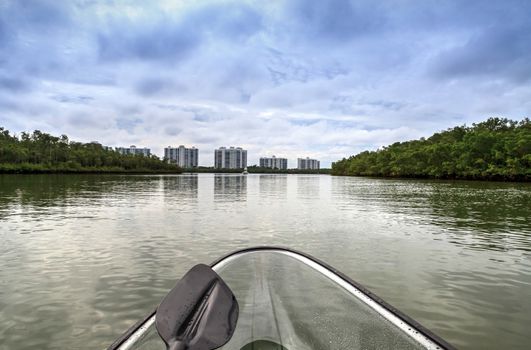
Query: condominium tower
[307,163]
[230,158]
[134,151]
[182,156]
[274,163]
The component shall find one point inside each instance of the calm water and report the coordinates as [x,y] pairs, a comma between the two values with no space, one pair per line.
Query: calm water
[84,257]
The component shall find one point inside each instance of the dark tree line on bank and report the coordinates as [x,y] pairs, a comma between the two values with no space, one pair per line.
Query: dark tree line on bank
[496,149]
[42,152]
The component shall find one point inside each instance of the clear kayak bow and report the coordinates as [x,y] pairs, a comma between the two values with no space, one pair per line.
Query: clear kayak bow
[290,300]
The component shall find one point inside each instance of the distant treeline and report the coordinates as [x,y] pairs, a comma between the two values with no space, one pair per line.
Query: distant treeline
[496,149]
[43,153]
[257,169]
[253,169]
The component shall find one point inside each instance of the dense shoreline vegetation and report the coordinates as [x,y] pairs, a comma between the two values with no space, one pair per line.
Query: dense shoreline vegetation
[496,149]
[43,153]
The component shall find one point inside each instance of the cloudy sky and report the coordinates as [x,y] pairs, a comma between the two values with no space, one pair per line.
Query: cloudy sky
[316,78]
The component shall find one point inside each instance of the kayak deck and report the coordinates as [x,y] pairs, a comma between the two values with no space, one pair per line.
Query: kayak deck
[289,301]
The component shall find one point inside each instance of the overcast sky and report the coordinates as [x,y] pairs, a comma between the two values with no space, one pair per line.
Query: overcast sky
[324,79]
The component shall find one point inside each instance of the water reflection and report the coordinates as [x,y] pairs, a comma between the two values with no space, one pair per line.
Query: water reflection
[178,188]
[308,186]
[273,186]
[52,190]
[230,187]
[39,191]
[84,256]
[494,215]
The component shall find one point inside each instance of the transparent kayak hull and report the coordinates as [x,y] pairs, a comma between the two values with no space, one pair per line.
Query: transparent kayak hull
[290,300]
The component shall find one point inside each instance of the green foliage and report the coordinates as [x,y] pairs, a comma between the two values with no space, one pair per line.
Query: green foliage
[496,149]
[40,152]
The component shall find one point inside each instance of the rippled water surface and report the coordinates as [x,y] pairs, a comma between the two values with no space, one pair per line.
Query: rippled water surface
[84,257]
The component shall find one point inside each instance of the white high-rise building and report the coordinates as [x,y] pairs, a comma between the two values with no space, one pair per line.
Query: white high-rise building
[274,163]
[230,158]
[182,156]
[308,163]
[134,151]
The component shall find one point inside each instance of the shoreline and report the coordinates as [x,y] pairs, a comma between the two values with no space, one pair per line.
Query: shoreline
[255,170]
[187,172]
[518,179]
[184,171]
[84,171]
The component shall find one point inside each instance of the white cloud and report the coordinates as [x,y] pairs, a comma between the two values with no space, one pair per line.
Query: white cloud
[257,74]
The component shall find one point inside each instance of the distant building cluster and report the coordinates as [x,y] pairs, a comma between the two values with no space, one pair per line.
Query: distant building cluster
[134,151]
[230,158]
[274,163]
[308,164]
[182,156]
[224,158]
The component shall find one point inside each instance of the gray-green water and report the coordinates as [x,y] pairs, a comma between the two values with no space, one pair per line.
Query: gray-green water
[84,257]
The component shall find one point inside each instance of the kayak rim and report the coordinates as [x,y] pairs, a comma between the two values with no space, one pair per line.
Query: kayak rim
[392,314]
[417,327]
